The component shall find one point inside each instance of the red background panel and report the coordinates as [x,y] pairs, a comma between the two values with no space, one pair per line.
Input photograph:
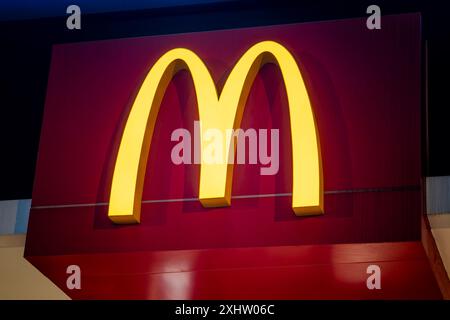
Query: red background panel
[365,91]
[364,87]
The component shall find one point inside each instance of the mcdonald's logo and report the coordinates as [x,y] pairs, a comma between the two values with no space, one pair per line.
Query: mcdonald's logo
[220,112]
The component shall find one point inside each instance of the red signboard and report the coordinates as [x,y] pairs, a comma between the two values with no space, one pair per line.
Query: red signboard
[365,90]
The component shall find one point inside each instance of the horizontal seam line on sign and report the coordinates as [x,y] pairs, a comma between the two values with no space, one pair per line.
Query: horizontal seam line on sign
[250,196]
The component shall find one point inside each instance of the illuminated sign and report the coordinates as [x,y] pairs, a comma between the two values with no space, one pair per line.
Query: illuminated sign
[116,110]
[217,112]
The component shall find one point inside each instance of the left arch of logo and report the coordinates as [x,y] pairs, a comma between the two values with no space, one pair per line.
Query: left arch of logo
[220,112]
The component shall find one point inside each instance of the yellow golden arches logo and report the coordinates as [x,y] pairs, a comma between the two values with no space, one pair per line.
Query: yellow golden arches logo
[222,113]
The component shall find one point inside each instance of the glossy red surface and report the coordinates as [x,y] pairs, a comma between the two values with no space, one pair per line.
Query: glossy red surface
[288,272]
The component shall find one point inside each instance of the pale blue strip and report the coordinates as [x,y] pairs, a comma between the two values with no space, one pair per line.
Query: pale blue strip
[8,211]
[23,212]
[438,194]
